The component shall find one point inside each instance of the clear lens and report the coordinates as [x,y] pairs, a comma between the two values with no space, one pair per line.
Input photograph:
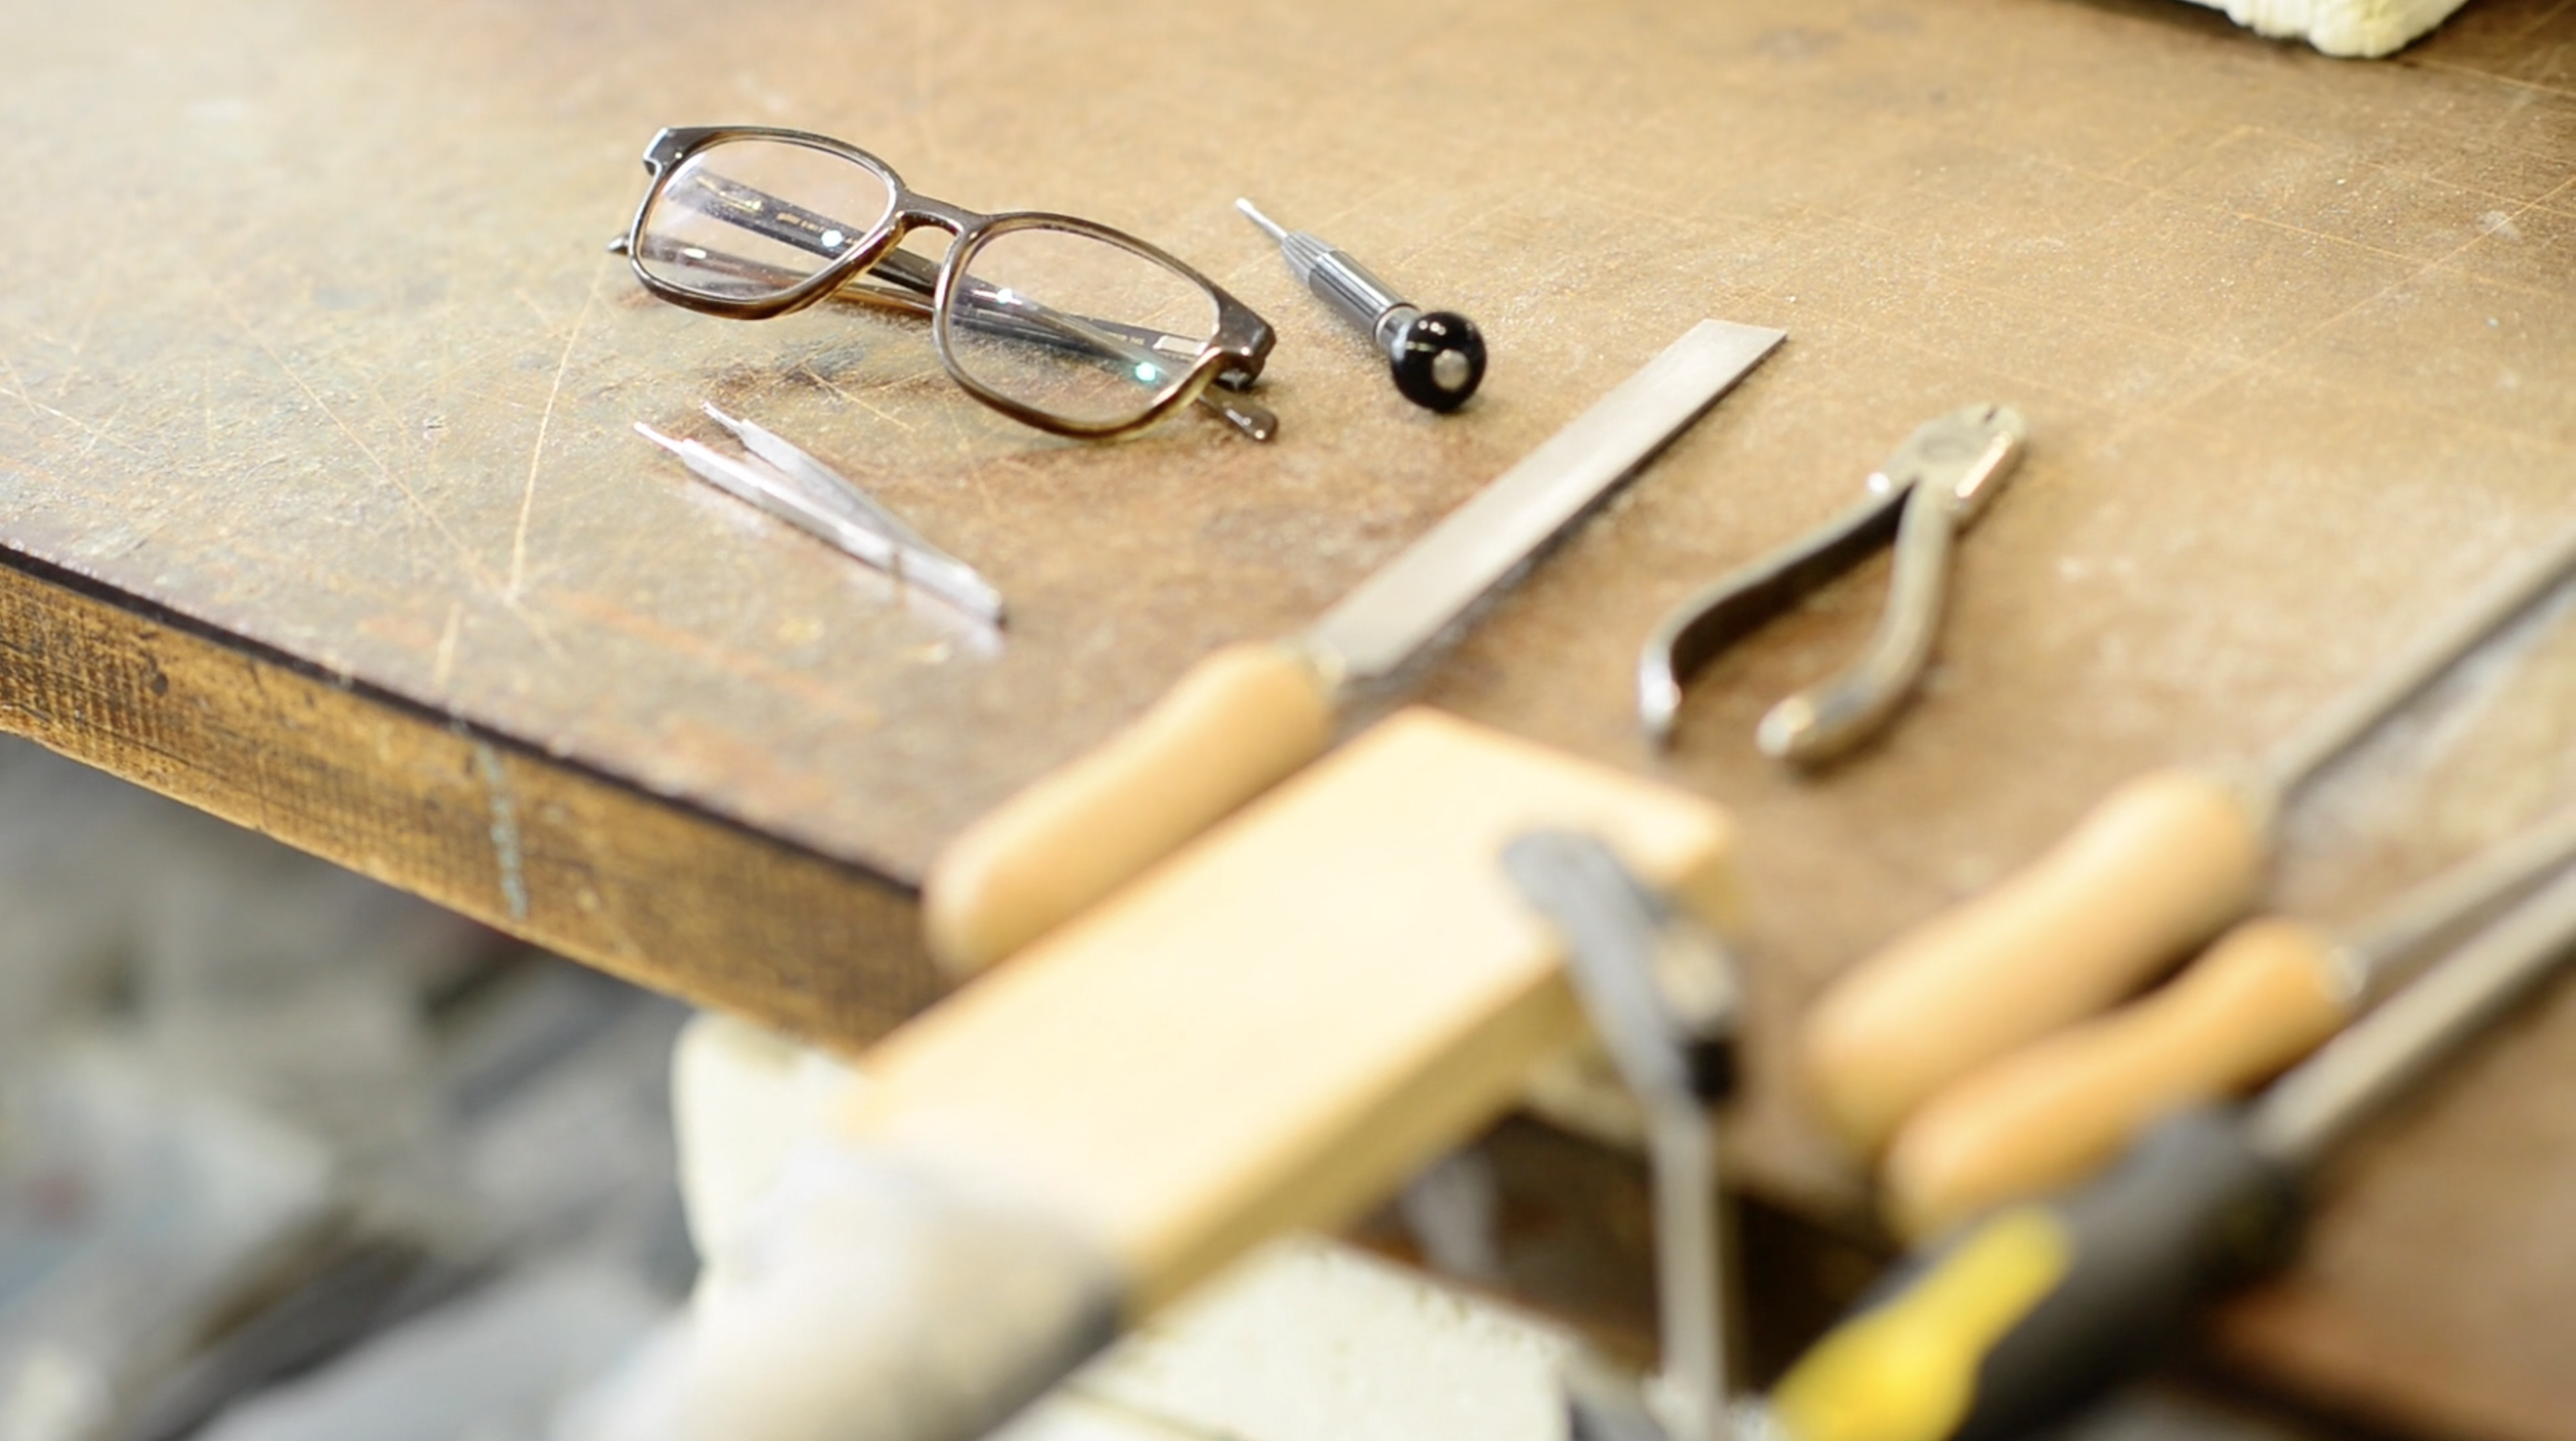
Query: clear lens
[748,219]
[1078,327]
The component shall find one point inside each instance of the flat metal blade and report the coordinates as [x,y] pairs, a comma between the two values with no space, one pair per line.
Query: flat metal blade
[1411,599]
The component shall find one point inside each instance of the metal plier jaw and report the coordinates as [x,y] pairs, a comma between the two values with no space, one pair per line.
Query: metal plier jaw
[1936,484]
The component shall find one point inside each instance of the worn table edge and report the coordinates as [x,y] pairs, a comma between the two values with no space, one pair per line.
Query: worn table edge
[647,887]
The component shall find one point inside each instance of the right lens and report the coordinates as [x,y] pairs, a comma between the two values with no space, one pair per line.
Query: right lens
[749,219]
[1074,324]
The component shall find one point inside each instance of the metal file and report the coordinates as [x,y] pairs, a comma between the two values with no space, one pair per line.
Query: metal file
[1413,598]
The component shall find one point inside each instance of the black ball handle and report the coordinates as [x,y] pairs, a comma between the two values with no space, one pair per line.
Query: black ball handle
[1438,359]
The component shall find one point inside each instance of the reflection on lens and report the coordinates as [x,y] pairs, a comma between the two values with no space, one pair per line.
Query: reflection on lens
[1087,331]
[747,219]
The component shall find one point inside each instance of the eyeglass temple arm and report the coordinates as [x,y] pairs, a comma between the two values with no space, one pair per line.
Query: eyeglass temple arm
[1125,346]
[1129,349]
[750,208]
[1121,346]
[761,213]
[1006,312]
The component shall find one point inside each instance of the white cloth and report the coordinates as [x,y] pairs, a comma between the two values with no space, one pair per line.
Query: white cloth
[2359,29]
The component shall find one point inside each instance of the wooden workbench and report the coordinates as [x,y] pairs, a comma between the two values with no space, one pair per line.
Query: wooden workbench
[320,508]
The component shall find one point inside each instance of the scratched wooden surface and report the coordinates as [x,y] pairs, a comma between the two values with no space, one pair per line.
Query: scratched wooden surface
[315,387]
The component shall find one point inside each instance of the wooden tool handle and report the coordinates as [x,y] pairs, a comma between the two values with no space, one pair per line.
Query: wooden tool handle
[2047,1117]
[2153,870]
[1237,722]
[1275,1028]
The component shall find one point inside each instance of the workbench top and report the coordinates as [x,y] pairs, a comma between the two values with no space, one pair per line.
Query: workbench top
[321,509]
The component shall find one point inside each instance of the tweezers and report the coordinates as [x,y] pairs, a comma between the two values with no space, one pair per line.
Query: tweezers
[1936,484]
[813,497]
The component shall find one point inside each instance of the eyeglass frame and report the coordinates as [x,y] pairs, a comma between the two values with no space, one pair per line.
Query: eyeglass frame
[1229,359]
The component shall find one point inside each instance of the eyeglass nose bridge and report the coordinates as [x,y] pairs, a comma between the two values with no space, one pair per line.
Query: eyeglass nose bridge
[912,211]
[919,212]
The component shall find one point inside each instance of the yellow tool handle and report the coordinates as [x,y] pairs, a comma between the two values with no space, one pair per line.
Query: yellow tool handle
[1239,721]
[2152,871]
[2030,1315]
[2047,1117]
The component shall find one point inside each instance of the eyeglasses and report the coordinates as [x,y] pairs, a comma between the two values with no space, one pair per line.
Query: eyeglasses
[1063,324]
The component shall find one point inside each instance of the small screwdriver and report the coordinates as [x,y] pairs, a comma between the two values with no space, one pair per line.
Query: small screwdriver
[1436,356]
[2023,1317]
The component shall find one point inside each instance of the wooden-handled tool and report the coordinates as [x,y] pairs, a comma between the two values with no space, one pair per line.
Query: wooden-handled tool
[2149,874]
[2270,991]
[1273,1031]
[2010,1325]
[1251,714]
[1278,1027]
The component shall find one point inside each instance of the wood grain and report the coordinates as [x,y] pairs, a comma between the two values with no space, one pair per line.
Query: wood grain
[688,903]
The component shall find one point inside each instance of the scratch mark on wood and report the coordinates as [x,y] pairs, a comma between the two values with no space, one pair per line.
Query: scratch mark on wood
[31,329]
[544,321]
[473,566]
[80,345]
[537,453]
[445,664]
[2546,18]
[18,382]
[94,433]
[505,830]
[2133,422]
[103,431]
[861,402]
[2453,67]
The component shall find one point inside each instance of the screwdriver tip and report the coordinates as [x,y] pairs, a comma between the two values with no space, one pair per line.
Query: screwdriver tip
[1268,225]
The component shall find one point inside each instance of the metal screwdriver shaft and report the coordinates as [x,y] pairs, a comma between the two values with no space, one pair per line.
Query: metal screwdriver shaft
[1437,357]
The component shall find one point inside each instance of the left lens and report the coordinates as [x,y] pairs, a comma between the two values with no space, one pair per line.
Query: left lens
[1073,324]
[752,218]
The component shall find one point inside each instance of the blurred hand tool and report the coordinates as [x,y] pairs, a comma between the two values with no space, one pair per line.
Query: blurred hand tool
[1437,357]
[813,497]
[1936,485]
[1271,1033]
[2270,991]
[2154,870]
[1251,713]
[1663,996]
[2040,1308]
